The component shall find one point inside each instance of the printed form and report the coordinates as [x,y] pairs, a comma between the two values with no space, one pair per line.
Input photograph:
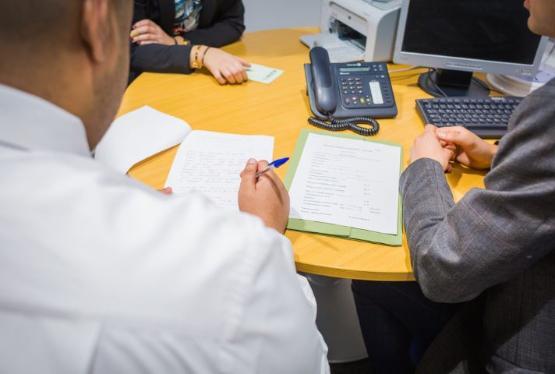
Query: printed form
[210,163]
[347,182]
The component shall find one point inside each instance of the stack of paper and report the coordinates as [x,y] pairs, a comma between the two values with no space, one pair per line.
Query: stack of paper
[346,186]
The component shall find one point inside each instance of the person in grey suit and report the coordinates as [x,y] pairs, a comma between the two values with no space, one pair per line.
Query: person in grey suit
[491,256]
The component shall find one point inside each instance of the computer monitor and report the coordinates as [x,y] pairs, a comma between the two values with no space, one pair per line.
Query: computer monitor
[459,37]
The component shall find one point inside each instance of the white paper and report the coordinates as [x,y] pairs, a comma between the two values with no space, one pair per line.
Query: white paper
[263,74]
[347,182]
[211,162]
[138,135]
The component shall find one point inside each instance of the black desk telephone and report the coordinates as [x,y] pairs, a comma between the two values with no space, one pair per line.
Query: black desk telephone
[344,96]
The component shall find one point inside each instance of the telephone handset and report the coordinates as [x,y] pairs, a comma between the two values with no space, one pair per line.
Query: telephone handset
[323,85]
[344,96]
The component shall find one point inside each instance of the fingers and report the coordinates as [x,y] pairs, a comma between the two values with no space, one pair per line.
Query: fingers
[147,29]
[457,135]
[248,175]
[234,73]
[263,164]
[239,76]
[143,22]
[228,76]
[221,64]
[145,38]
[221,80]
[148,32]
[243,62]
[271,179]
[463,159]
[271,176]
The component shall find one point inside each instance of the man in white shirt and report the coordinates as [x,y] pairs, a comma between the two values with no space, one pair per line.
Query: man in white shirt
[100,274]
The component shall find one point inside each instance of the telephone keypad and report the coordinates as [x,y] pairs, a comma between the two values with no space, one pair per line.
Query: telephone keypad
[365,89]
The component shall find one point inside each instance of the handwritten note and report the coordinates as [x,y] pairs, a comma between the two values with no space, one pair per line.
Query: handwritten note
[347,182]
[211,162]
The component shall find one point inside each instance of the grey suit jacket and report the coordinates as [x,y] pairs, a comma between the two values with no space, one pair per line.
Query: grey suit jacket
[496,246]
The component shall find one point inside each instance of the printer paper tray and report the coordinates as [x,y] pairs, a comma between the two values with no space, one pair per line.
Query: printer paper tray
[338,50]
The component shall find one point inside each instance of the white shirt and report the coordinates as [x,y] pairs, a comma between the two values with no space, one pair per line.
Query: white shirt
[100,274]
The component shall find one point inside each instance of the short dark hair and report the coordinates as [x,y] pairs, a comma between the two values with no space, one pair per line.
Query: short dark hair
[36,20]
[41,21]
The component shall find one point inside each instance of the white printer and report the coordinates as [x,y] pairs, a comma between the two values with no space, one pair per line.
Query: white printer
[355,30]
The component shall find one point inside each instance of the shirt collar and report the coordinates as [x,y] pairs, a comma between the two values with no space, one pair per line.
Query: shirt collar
[30,122]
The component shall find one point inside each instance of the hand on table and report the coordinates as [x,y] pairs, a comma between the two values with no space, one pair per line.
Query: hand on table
[148,32]
[428,145]
[225,67]
[471,150]
[265,196]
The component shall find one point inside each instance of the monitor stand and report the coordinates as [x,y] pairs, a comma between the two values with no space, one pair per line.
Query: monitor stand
[443,82]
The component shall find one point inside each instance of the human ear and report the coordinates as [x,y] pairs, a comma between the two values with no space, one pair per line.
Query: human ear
[96,29]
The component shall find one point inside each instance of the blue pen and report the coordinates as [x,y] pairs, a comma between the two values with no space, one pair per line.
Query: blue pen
[273,165]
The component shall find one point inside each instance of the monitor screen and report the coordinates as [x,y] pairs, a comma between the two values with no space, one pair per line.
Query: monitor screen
[492,30]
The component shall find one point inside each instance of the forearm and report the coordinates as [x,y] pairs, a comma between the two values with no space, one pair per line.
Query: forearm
[426,201]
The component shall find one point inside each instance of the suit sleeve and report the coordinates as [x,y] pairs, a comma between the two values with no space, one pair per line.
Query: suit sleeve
[492,234]
[227,28]
[158,58]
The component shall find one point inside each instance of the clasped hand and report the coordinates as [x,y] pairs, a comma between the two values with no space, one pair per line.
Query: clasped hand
[456,143]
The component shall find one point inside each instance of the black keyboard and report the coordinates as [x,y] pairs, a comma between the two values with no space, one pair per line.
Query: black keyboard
[486,117]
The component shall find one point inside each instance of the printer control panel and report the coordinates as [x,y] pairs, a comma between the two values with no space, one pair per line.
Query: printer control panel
[364,84]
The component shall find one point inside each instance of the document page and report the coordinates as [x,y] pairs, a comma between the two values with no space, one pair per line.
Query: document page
[138,135]
[347,182]
[210,162]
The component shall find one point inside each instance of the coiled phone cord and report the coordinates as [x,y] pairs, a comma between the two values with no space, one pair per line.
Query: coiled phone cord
[352,124]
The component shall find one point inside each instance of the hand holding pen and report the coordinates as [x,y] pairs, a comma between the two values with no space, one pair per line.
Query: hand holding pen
[273,165]
[265,197]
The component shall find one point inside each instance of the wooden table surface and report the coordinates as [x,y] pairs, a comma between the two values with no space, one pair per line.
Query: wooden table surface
[281,109]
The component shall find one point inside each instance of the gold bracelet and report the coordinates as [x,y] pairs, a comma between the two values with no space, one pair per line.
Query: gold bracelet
[203,55]
[197,63]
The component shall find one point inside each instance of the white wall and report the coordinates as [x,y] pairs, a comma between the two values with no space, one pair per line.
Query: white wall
[271,14]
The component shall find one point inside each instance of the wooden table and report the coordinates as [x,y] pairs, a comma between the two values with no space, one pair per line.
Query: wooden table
[281,110]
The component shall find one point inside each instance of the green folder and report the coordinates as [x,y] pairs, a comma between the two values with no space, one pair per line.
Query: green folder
[328,228]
